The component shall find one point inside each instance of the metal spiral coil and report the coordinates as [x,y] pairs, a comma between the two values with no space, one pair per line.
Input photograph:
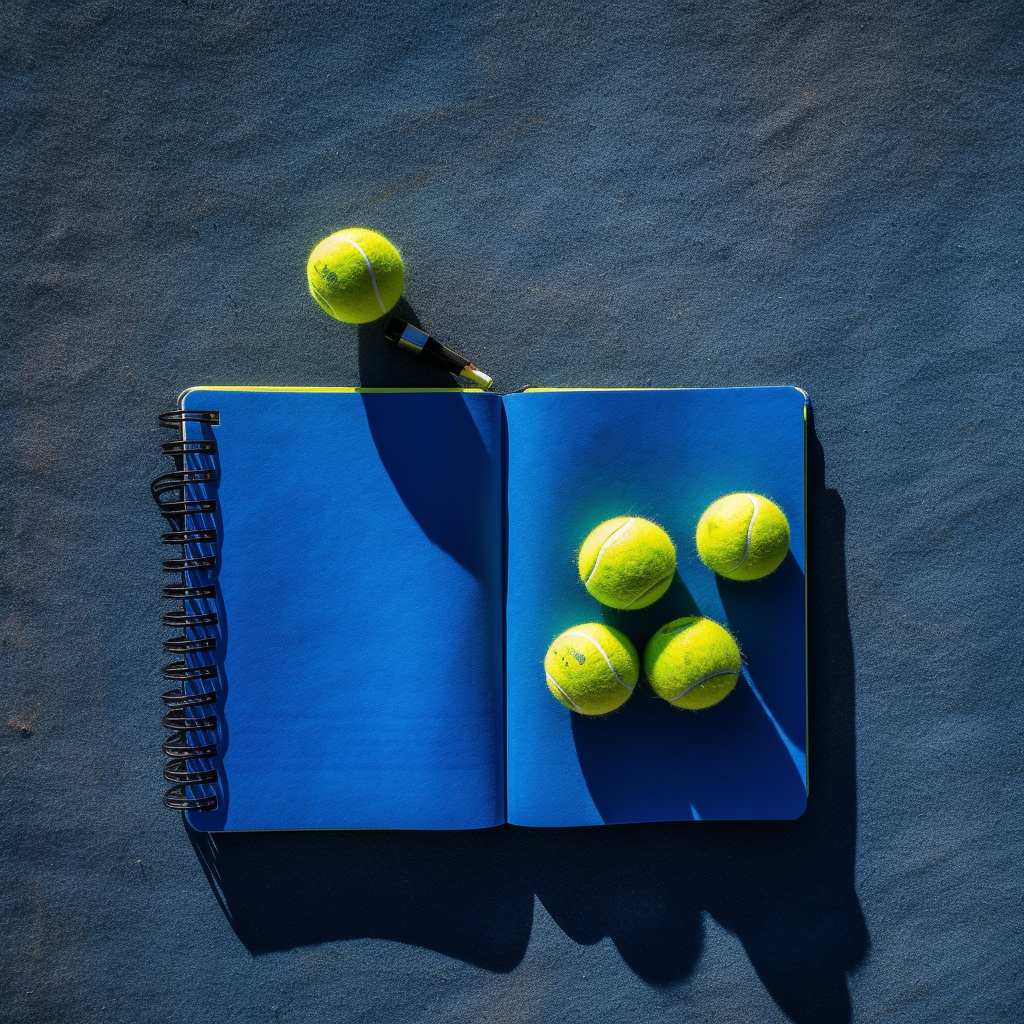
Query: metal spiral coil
[184,564]
[184,619]
[173,482]
[175,419]
[178,698]
[183,592]
[182,671]
[188,447]
[190,705]
[186,644]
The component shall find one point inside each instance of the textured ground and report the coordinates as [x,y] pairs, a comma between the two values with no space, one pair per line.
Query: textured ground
[592,194]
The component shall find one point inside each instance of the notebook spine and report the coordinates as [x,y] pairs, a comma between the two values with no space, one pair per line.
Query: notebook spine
[184,499]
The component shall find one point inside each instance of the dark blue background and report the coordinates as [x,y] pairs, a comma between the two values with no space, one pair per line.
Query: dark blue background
[701,194]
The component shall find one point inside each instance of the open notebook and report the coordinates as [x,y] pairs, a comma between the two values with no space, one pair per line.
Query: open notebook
[386,570]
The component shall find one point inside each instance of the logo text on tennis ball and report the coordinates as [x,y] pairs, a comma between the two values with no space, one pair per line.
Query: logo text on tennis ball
[355,275]
[627,562]
[591,669]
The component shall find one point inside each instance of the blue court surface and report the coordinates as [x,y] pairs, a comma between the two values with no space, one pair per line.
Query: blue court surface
[648,195]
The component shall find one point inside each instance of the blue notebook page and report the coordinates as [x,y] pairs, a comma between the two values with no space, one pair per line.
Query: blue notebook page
[578,458]
[360,579]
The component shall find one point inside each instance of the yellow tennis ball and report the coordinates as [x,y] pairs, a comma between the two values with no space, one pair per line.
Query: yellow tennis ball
[743,536]
[692,663]
[627,563]
[592,668]
[355,275]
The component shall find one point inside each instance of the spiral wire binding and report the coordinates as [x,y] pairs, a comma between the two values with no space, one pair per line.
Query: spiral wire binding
[189,704]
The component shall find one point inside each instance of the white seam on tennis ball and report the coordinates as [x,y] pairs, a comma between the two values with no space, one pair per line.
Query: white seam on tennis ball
[750,530]
[369,267]
[562,692]
[703,679]
[608,660]
[608,540]
[665,631]
[649,589]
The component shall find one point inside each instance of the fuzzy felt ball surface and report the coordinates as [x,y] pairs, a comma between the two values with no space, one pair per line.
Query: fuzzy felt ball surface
[692,662]
[627,562]
[592,668]
[355,275]
[743,536]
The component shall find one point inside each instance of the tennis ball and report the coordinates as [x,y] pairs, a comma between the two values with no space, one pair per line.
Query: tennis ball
[743,536]
[356,275]
[692,662]
[592,668]
[627,563]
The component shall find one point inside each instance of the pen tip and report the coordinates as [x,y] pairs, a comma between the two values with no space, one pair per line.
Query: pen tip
[476,376]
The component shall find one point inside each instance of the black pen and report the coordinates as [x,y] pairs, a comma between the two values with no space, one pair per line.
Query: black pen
[411,338]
